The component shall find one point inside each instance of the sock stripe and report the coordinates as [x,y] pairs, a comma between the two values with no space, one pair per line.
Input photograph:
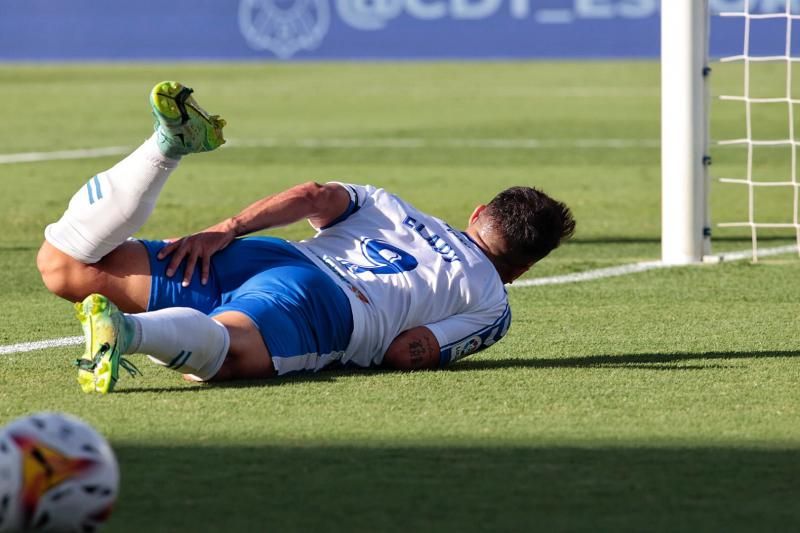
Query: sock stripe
[97,188]
[175,360]
[183,361]
[180,360]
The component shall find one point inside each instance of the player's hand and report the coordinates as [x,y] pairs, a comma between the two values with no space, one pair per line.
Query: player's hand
[198,247]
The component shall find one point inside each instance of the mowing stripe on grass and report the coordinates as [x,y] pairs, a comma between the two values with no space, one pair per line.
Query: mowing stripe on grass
[349,144]
[588,275]
[413,143]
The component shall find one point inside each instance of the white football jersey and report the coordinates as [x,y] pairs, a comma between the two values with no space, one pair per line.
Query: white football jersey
[402,268]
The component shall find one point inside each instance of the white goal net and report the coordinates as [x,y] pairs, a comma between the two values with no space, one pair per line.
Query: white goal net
[770,140]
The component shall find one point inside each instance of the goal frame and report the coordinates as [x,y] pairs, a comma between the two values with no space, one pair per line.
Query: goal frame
[685,216]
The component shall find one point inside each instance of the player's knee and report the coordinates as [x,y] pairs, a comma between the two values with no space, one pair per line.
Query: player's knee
[62,275]
[248,356]
[246,362]
[51,268]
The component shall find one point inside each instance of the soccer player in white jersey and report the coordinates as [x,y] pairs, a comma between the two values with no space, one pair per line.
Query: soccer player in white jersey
[381,283]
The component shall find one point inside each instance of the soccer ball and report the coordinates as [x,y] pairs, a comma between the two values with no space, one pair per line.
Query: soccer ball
[56,474]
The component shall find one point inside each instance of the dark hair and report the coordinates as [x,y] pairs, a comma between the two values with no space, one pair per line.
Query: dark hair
[532,223]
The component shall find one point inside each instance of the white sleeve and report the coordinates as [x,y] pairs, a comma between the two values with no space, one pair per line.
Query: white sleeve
[359,194]
[465,334]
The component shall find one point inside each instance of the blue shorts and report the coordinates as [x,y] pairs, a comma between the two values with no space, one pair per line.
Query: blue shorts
[303,316]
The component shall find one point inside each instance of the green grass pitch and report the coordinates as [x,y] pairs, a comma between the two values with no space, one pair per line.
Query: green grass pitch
[660,401]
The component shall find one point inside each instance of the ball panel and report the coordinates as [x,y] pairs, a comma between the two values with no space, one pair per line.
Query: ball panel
[62,474]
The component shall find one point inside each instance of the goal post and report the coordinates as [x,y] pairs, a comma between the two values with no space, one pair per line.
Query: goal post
[685,218]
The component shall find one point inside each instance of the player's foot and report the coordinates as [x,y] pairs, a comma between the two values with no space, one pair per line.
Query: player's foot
[183,127]
[108,334]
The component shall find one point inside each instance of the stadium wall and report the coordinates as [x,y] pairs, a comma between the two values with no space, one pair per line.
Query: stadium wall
[79,30]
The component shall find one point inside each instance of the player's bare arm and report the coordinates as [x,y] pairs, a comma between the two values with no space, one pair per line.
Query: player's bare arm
[320,204]
[414,349]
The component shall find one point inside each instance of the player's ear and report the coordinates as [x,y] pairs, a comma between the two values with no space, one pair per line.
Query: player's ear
[476,213]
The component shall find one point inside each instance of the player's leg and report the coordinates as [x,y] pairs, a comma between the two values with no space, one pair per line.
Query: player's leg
[114,204]
[286,317]
[247,358]
[228,346]
[175,330]
[123,275]
[290,317]
[177,334]
[180,338]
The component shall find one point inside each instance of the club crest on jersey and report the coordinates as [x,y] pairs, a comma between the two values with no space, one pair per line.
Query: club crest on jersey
[467,347]
[478,341]
[284,27]
[383,258]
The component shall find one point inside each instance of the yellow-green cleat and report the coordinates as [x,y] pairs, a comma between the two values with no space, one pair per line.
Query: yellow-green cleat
[183,127]
[108,334]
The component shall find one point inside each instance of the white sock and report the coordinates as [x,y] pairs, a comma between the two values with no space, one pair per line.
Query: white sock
[182,339]
[113,205]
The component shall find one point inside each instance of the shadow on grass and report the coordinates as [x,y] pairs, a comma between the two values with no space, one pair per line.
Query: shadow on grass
[329,375]
[19,248]
[311,487]
[670,362]
[645,361]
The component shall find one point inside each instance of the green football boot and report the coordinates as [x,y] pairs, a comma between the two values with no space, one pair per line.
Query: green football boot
[108,334]
[182,126]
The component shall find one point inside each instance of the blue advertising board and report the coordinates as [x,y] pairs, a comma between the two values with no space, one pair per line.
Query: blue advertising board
[75,30]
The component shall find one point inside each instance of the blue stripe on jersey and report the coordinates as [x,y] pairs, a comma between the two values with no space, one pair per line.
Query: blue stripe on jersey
[352,207]
[477,341]
[353,196]
[89,190]
[98,190]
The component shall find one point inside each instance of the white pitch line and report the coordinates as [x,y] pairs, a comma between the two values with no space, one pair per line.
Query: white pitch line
[60,155]
[587,275]
[633,268]
[590,275]
[349,144]
[40,345]
[748,254]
